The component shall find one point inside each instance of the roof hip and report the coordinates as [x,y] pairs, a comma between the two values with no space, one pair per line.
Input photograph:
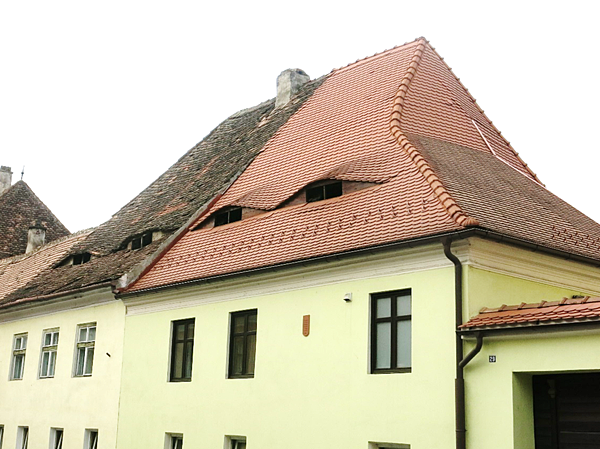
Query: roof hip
[449,204]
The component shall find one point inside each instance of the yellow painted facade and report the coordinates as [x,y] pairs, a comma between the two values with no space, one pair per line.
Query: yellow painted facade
[64,401]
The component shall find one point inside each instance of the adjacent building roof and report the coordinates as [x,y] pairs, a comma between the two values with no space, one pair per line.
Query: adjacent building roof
[18,271]
[19,209]
[401,121]
[565,311]
[186,187]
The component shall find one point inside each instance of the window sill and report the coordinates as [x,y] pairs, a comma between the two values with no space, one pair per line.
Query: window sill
[391,371]
[176,381]
[242,376]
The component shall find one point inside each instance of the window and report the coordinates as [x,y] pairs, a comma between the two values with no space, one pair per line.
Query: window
[391,332]
[82,258]
[141,240]
[388,446]
[90,439]
[228,216]
[49,347]
[236,442]
[324,191]
[56,438]
[174,441]
[1,435]
[86,340]
[18,359]
[182,349]
[242,343]
[22,437]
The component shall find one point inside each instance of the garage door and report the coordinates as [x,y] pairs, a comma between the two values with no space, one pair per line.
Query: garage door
[566,410]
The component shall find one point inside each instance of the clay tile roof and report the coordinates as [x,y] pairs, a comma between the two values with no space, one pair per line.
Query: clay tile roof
[19,209]
[572,310]
[169,202]
[18,271]
[400,119]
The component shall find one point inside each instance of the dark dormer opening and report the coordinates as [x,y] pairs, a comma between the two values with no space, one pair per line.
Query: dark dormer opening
[228,216]
[323,191]
[141,240]
[79,259]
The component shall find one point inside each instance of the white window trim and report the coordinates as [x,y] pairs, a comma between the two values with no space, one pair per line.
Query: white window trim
[89,442]
[53,436]
[22,437]
[16,352]
[87,345]
[170,436]
[51,348]
[232,441]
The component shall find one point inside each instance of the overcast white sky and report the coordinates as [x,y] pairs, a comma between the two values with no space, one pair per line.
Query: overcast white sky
[97,99]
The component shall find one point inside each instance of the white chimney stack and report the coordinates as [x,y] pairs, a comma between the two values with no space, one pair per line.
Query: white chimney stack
[5,178]
[36,236]
[289,83]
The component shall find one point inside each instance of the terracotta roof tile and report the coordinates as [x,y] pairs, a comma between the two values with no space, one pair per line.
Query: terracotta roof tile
[568,310]
[19,208]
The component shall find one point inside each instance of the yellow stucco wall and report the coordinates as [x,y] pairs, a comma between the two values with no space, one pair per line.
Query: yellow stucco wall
[64,401]
[308,392]
[499,395]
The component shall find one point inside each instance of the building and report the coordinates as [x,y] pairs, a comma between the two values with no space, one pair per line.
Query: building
[327,269]
[320,301]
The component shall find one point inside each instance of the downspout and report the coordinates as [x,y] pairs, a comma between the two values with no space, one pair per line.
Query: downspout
[459,383]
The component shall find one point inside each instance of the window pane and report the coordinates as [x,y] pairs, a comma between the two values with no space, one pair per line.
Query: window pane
[384,345]
[92,334]
[52,364]
[180,332]
[238,355]
[384,307]
[238,324]
[45,362]
[252,323]
[47,339]
[188,360]
[18,367]
[55,338]
[89,360]
[23,341]
[404,343]
[190,331]
[179,360]
[251,351]
[80,361]
[83,334]
[333,190]
[403,305]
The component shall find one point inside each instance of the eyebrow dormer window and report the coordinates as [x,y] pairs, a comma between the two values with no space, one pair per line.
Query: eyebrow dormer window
[324,191]
[79,259]
[228,216]
[141,240]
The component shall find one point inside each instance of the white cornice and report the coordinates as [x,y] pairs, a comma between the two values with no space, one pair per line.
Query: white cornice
[69,302]
[366,266]
[530,265]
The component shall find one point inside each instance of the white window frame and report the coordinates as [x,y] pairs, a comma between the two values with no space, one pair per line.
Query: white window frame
[51,349]
[90,439]
[84,351]
[18,352]
[235,442]
[22,437]
[56,437]
[171,440]
[1,435]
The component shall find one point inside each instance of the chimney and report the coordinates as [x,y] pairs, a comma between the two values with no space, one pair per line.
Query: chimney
[289,83]
[5,178]
[36,236]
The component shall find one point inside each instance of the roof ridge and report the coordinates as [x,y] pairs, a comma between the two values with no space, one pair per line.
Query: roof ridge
[449,204]
[485,116]
[376,55]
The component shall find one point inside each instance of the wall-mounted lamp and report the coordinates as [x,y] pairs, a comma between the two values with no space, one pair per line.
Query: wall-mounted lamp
[348,297]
